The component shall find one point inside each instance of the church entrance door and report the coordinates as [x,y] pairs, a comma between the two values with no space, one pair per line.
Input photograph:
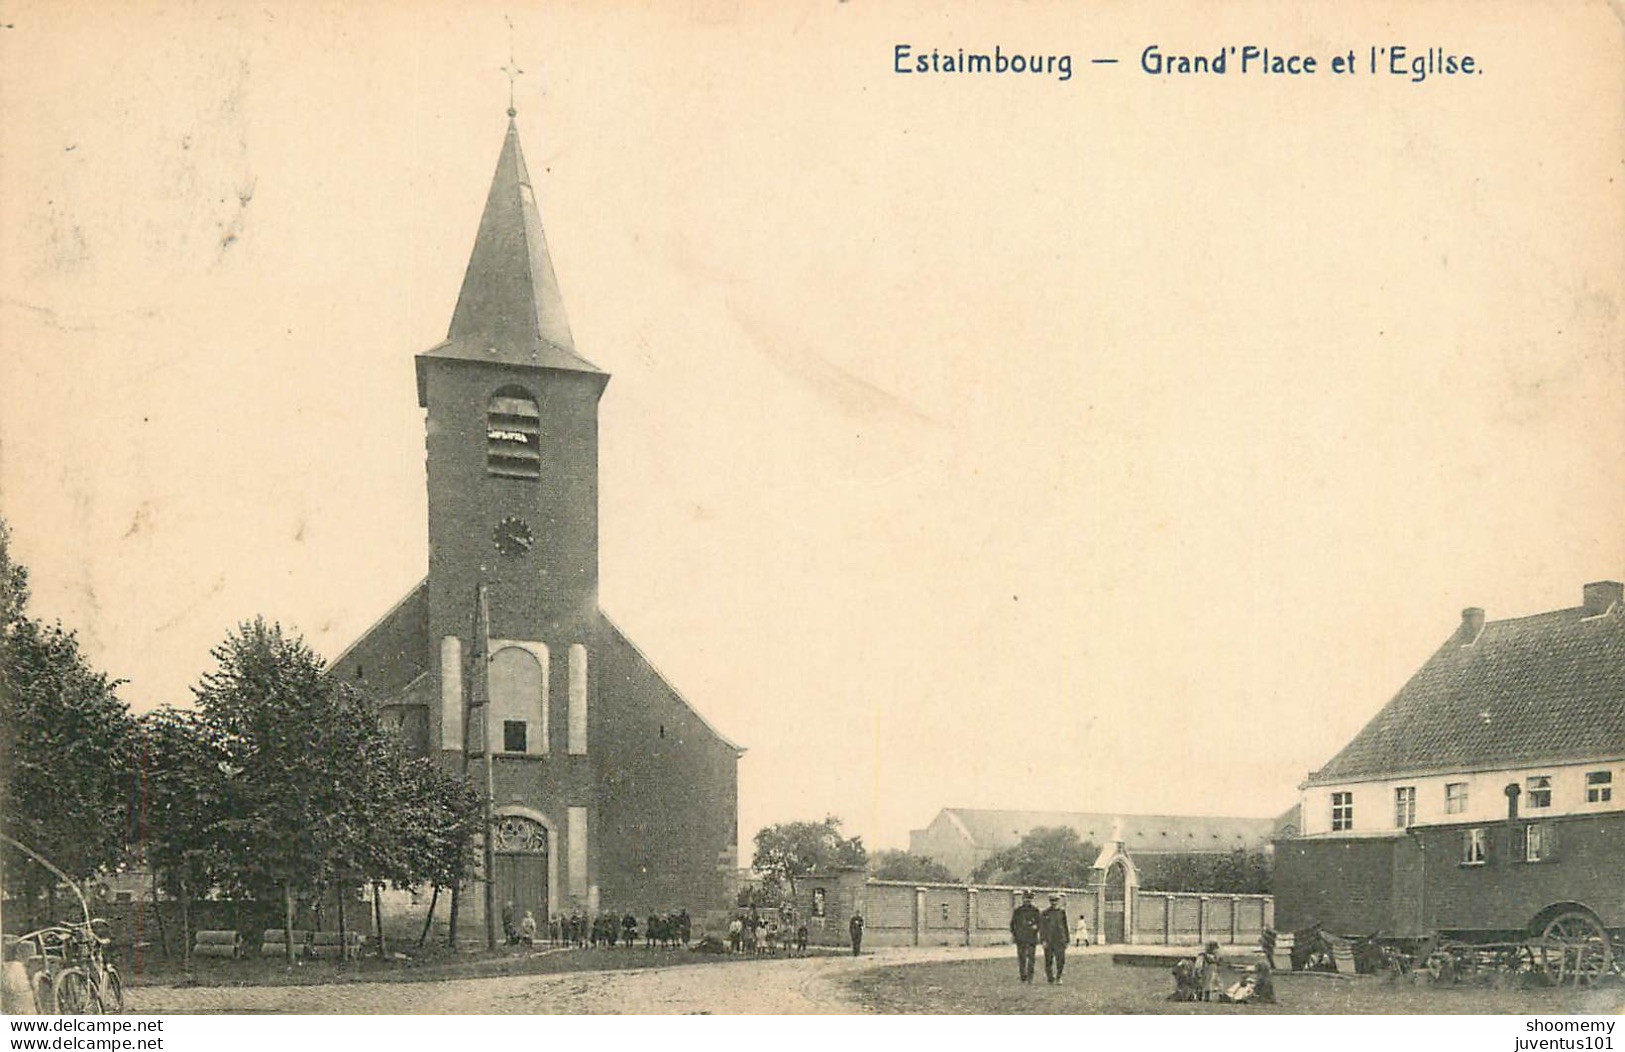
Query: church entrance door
[521,868]
[1116,879]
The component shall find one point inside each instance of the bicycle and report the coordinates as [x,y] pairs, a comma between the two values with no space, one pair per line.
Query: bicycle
[79,978]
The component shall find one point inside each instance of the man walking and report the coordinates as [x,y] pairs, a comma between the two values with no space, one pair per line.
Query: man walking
[856,930]
[1024,923]
[1055,932]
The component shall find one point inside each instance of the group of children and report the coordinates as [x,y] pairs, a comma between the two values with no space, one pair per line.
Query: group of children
[757,934]
[1198,979]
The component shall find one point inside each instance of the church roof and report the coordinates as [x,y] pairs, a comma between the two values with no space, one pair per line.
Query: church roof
[510,310]
[1537,689]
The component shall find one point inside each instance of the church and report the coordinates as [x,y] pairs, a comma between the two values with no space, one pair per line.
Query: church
[608,790]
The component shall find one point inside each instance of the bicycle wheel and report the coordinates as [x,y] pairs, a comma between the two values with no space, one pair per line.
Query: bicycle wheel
[45,994]
[112,990]
[74,994]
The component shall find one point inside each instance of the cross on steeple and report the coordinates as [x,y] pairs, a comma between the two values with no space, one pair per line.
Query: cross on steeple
[511,69]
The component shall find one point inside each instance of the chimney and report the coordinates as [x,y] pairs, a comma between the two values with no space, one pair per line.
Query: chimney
[1601,597]
[1472,623]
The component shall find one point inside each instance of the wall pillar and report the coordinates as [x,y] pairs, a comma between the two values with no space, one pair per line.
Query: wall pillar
[971,916]
[1167,920]
[919,916]
[1201,920]
[1235,921]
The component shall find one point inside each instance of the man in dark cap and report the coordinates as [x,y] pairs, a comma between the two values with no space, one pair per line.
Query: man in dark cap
[1024,923]
[1055,932]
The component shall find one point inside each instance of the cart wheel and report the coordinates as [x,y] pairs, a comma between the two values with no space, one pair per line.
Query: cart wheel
[1574,947]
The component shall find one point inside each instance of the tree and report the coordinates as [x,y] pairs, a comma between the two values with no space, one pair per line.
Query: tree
[187,799]
[65,747]
[303,763]
[1239,872]
[797,849]
[903,865]
[437,820]
[1048,856]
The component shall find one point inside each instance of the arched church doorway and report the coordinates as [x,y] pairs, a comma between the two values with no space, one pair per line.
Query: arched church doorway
[1115,897]
[521,847]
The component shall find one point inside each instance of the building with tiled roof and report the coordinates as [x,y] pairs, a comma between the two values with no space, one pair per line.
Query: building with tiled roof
[1535,701]
[1486,800]
[962,838]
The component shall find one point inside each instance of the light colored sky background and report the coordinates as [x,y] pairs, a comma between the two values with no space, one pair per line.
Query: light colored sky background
[1118,444]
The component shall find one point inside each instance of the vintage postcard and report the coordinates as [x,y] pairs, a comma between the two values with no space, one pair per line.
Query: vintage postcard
[831,507]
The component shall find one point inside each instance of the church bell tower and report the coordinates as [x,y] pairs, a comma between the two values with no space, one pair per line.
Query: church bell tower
[512,444]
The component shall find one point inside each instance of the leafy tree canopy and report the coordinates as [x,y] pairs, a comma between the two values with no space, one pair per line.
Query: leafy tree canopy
[65,745]
[1052,856]
[903,865]
[788,850]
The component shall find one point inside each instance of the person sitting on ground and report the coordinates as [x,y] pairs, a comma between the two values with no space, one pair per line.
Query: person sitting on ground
[1184,981]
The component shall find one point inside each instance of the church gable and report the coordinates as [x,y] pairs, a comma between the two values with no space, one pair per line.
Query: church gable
[648,698]
[392,654]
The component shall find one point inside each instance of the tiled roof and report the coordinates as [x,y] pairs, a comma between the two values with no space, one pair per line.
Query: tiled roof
[996,830]
[1538,689]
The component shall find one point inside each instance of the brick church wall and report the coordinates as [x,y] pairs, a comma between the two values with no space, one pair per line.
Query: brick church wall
[666,788]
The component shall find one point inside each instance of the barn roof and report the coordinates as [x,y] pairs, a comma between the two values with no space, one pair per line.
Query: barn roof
[1527,690]
[1142,834]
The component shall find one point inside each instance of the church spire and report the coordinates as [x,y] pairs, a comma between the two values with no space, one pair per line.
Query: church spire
[510,309]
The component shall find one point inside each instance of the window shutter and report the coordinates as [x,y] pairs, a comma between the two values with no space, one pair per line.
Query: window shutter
[1551,844]
[1519,851]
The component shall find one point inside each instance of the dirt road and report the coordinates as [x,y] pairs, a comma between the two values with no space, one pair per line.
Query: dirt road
[803,986]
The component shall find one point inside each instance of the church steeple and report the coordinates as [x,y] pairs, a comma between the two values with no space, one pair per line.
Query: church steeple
[510,310]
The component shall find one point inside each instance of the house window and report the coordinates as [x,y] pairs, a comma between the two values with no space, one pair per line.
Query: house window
[1475,847]
[1405,807]
[513,435]
[513,735]
[1342,811]
[1536,842]
[1455,798]
[1599,787]
[1537,791]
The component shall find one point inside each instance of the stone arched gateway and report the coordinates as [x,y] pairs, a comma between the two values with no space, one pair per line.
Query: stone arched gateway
[526,862]
[1120,881]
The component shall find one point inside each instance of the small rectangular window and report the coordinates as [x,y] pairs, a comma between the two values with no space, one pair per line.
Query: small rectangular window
[1535,846]
[513,735]
[1405,807]
[1455,798]
[1537,791]
[1599,787]
[1342,812]
[1475,847]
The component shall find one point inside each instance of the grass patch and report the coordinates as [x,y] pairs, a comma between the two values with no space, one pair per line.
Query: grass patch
[1095,986]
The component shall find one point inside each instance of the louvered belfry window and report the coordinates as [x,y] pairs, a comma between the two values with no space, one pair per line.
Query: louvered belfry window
[513,435]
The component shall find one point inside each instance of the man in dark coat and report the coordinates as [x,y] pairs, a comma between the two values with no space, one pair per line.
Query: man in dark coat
[1055,932]
[855,928]
[1024,923]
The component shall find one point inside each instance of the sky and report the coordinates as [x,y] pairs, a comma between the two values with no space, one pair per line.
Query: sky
[1119,443]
